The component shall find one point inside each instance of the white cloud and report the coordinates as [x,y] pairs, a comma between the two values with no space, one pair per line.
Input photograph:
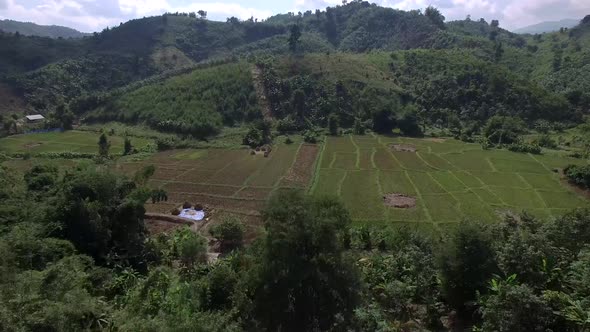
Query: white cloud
[94,15]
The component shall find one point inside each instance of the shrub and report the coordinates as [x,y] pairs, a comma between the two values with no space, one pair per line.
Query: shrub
[546,141]
[253,138]
[186,205]
[288,140]
[230,233]
[578,175]
[525,148]
[310,136]
[175,211]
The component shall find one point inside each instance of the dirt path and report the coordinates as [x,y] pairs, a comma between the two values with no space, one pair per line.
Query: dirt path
[261,93]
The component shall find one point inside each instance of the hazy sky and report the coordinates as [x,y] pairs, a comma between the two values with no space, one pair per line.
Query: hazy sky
[94,15]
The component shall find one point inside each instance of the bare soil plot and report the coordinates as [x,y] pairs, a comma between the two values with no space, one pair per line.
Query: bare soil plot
[399,201]
[404,147]
[254,193]
[301,173]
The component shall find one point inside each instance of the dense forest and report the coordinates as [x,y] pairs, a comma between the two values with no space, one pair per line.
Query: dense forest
[75,251]
[413,65]
[75,255]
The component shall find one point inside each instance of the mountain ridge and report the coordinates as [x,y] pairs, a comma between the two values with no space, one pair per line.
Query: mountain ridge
[548,26]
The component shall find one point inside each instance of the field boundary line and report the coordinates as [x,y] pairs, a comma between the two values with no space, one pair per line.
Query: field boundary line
[282,177]
[540,162]
[419,195]
[427,163]
[491,165]
[358,153]
[341,183]
[259,170]
[373,152]
[469,189]
[486,186]
[317,167]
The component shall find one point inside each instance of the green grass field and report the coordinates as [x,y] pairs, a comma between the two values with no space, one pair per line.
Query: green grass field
[451,181]
[68,141]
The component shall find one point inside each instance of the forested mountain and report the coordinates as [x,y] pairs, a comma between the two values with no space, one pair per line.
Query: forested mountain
[322,61]
[549,26]
[32,29]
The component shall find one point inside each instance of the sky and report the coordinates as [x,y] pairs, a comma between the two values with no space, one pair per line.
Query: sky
[95,15]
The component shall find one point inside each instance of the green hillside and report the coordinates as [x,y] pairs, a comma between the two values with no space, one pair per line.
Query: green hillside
[349,61]
[32,29]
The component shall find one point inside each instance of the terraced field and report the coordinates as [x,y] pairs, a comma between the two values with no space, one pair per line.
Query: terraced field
[450,180]
[227,180]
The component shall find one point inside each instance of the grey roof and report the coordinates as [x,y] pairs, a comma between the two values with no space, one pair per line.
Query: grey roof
[35,117]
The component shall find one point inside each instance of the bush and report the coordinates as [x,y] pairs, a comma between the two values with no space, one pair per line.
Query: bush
[187,205]
[546,141]
[524,148]
[310,136]
[253,138]
[288,140]
[230,233]
[578,175]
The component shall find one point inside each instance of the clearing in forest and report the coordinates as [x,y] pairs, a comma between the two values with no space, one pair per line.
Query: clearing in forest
[67,141]
[450,180]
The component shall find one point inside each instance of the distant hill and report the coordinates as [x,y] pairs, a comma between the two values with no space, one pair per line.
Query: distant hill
[32,29]
[549,26]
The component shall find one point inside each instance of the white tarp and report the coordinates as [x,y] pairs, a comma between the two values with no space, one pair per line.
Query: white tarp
[192,214]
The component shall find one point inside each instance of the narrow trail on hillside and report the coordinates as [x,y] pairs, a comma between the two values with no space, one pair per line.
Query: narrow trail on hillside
[261,93]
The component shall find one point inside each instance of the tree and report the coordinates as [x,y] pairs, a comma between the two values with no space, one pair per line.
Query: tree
[103,146]
[333,124]
[435,16]
[253,138]
[466,264]
[303,282]
[358,128]
[127,147]
[503,129]
[513,307]
[408,124]
[202,14]
[229,233]
[498,52]
[295,35]
[384,120]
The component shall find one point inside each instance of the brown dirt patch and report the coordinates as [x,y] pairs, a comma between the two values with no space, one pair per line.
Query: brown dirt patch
[32,145]
[156,227]
[399,201]
[435,140]
[300,174]
[403,147]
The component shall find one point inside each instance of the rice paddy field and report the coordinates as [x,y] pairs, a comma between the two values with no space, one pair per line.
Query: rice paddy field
[69,141]
[227,180]
[451,181]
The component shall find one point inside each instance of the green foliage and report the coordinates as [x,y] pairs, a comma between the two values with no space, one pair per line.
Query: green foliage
[103,146]
[578,175]
[303,247]
[229,233]
[127,147]
[333,124]
[503,130]
[525,148]
[513,307]
[195,104]
[466,265]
